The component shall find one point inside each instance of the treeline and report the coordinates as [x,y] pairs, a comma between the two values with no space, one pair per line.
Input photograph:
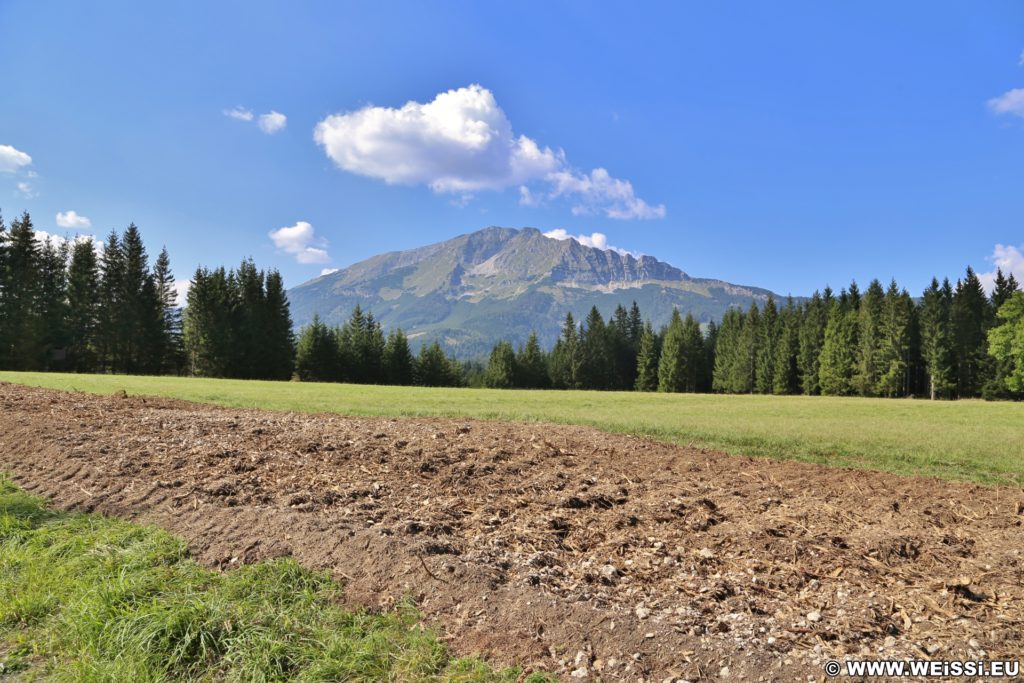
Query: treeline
[237,323]
[358,352]
[83,306]
[953,342]
[70,306]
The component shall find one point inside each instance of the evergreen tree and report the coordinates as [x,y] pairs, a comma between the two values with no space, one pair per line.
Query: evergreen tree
[785,374]
[622,349]
[83,306]
[316,353]
[111,275]
[971,316]
[996,386]
[135,304]
[838,363]
[209,323]
[167,345]
[435,369]
[53,305]
[1006,342]
[710,346]
[531,365]
[249,322]
[595,355]
[893,353]
[4,342]
[502,369]
[812,341]
[22,290]
[1003,288]
[744,373]
[278,337]
[936,339]
[672,366]
[768,335]
[648,359]
[729,353]
[398,359]
[869,337]
[565,357]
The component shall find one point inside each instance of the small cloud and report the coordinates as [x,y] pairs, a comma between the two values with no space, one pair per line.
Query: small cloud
[528,198]
[328,271]
[12,159]
[299,240]
[71,220]
[58,240]
[239,114]
[273,122]
[597,240]
[1010,102]
[1009,259]
[181,288]
[1020,60]
[600,192]
[26,190]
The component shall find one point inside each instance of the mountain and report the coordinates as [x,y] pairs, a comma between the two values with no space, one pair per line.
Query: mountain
[502,283]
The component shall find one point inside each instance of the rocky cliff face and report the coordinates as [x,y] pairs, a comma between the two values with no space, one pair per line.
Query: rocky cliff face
[503,283]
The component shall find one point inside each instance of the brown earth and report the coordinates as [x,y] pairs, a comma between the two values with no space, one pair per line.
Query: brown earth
[553,547]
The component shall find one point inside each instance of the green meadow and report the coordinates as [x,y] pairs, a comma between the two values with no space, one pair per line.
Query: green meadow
[967,440]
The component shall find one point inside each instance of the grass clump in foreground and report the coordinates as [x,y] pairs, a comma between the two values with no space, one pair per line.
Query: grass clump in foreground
[89,598]
[967,440]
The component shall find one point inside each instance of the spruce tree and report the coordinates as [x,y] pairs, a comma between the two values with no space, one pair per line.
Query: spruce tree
[838,363]
[398,359]
[648,359]
[531,365]
[996,387]
[595,354]
[166,344]
[936,339]
[316,355]
[672,368]
[744,371]
[135,303]
[564,360]
[21,295]
[869,337]
[768,334]
[279,339]
[729,354]
[785,374]
[435,369]
[812,340]
[501,370]
[971,316]
[83,306]
[4,332]
[111,276]
[893,352]
[53,305]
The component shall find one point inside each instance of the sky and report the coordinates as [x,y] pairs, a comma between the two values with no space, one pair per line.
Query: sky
[786,145]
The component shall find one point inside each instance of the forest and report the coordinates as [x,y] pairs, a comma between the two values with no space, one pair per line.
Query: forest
[91,307]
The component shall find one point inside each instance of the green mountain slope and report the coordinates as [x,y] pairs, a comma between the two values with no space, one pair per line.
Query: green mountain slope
[503,283]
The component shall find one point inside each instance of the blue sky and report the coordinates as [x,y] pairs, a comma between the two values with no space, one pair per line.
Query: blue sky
[785,144]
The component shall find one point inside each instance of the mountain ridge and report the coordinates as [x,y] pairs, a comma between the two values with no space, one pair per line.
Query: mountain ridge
[502,283]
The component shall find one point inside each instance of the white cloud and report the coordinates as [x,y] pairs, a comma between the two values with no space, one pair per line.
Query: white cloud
[273,122]
[238,113]
[462,142]
[598,240]
[12,159]
[599,191]
[328,271]
[1009,259]
[42,236]
[1010,102]
[71,220]
[181,288]
[300,241]
[26,190]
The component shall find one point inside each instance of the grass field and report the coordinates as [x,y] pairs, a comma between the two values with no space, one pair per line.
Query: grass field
[88,598]
[970,440]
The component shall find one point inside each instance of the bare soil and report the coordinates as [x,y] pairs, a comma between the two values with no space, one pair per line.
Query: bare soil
[553,547]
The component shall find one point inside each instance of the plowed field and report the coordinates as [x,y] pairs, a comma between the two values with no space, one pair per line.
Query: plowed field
[555,547]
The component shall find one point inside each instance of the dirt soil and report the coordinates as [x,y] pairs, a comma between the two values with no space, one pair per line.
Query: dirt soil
[553,547]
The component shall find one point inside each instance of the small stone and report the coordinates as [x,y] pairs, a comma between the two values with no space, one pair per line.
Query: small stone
[932,649]
[580,672]
[771,640]
[973,642]
[723,672]
[889,642]
[609,572]
[642,612]
[814,616]
[707,554]
[648,635]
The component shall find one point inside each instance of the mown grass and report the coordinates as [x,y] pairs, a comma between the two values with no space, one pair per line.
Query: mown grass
[87,598]
[967,440]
